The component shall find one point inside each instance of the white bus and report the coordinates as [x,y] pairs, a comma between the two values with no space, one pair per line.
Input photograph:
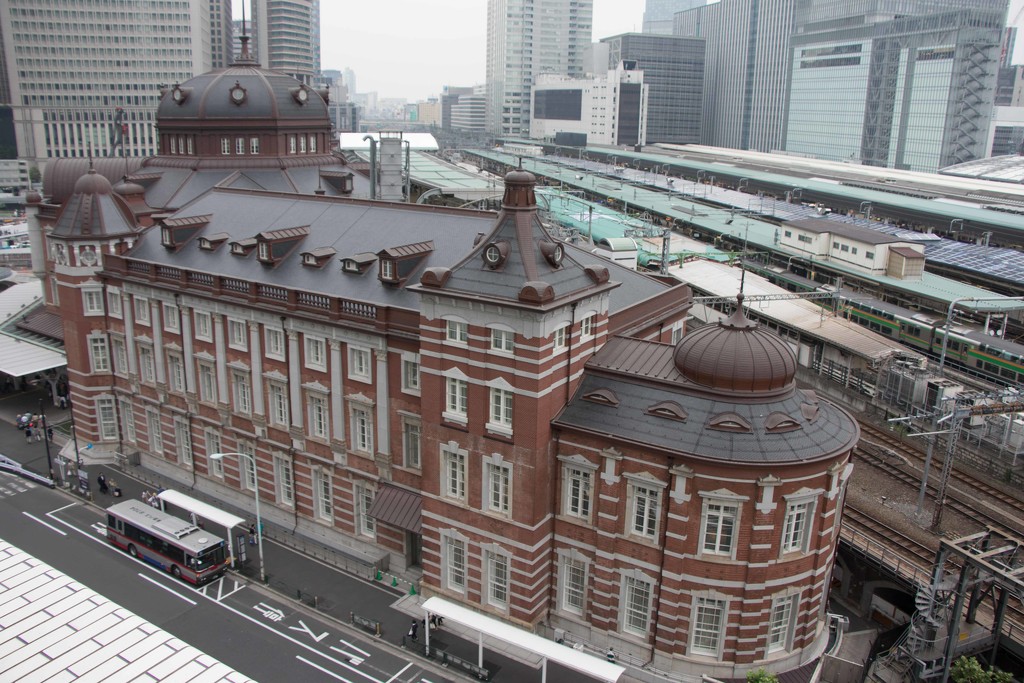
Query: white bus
[174,545]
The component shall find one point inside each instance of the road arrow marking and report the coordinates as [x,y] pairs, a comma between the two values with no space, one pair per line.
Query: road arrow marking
[305,629]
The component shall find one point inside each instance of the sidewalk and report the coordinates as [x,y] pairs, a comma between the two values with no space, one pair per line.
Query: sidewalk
[305,571]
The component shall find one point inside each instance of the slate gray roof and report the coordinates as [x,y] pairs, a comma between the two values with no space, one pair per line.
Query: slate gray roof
[94,211]
[840,229]
[641,375]
[349,227]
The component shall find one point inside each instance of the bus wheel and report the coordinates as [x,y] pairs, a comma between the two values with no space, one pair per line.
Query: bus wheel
[132,551]
[175,571]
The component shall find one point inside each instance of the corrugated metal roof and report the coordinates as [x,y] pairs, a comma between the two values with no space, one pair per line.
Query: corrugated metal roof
[409,249]
[398,507]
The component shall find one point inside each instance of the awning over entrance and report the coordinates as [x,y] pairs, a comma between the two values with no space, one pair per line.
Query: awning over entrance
[490,627]
[19,357]
[398,507]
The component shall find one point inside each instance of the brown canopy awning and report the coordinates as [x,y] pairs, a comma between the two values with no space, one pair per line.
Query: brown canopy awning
[398,507]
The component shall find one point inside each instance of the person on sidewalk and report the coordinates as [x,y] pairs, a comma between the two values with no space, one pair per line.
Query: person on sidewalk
[38,433]
[252,534]
[28,435]
[413,629]
[101,481]
[49,433]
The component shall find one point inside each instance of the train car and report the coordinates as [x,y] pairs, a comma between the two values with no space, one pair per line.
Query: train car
[969,349]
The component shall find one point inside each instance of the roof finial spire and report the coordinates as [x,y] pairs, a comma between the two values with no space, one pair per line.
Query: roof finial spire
[244,55]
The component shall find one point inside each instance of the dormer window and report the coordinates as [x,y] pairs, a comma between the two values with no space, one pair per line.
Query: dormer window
[397,263]
[317,257]
[175,232]
[211,242]
[729,422]
[495,254]
[167,237]
[274,245]
[358,263]
[263,251]
[605,396]
[780,422]
[243,247]
[668,409]
[387,270]
[553,253]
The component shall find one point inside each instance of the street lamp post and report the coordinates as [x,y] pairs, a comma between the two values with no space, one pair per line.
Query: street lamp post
[46,436]
[256,489]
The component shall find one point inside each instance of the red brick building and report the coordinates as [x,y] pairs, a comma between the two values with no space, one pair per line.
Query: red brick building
[519,425]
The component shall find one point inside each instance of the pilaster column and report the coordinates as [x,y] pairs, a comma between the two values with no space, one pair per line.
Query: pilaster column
[383,411]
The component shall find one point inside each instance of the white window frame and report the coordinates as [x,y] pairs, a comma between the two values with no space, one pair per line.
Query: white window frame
[560,339]
[312,144]
[318,410]
[141,310]
[497,486]
[211,437]
[498,568]
[183,441]
[99,353]
[706,633]
[455,566]
[637,600]
[714,517]
[274,341]
[411,373]
[587,326]
[796,527]
[569,589]
[172,321]
[240,146]
[241,392]
[254,145]
[291,144]
[277,403]
[577,490]
[284,478]
[645,501]
[323,495]
[154,431]
[365,524]
[106,418]
[453,472]
[92,301]
[147,364]
[412,442]
[361,428]
[225,145]
[316,353]
[456,399]
[175,372]
[207,372]
[782,623]
[126,413]
[114,303]
[204,325]
[238,334]
[359,361]
[456,331]
[501,404]
[120,355]
[503,341]
[248,479]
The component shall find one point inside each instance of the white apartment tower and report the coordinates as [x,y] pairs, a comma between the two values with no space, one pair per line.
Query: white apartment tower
[83,79]
[526,38]
[287,37]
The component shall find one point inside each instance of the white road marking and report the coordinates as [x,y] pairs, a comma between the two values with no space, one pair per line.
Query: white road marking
[353,659]
[305,629]
[69,505]
[167,588]
[48,526]
[353,647]
[317,666]
[400,672]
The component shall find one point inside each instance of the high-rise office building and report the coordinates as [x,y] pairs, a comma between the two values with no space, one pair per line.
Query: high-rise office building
[85,82]
[222,49]
[909,84]
[659,14]
[745,69]
[526,38]
[674,74]
[287,36]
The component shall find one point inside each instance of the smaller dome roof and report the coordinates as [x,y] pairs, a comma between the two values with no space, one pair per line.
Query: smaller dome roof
[519,192]
[126,188]
[737,356]
[92,183]
[94,211]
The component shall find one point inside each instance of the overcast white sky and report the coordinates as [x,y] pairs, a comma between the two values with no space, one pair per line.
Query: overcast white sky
[410,48]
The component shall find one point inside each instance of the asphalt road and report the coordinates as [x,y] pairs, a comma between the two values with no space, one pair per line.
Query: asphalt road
[250,630]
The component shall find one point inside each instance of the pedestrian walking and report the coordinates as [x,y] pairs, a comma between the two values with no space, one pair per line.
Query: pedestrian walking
[252,534]
[413,629]
[49,433]
[28,435]
[38,433]
[101,481]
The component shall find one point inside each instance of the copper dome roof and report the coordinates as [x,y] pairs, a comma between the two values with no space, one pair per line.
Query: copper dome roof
[737,356]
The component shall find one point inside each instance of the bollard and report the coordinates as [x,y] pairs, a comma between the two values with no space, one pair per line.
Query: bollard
[378,631]
[394,581]
[379,575]
[412,589]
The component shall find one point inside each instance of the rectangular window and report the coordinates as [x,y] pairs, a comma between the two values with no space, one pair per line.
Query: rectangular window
[312,144]
[107,419]
[114,303]
[411,375]
[277,398]
[248,468]
[365,524]
[172,323]
[637,608]
[359,364]
[317,407]
[92,301]
[323,496]
[239,145]
[213,445]
[225,145]
[274,339]
[147,367]
[291,144]
[302,144]
[454,474]
[203,326]
[176,372]
[497,579]
[142,310]
[98,354]
[238,336]
[207,383]
[316,353]
[285,481]
[120,356]
[707,626]
[456,556]
[795,529]
[362,436]
[127,415]
[574,585]
[457,402]
[456,331]
[719,528]
[503,341]
[411,443]
[780,628]
[501,408]
[254,145]
[559,341]
[240,392]
[577,492]
[869,254]
[645,510]
[156,439]
[183,441]
[499,492]
[587,326]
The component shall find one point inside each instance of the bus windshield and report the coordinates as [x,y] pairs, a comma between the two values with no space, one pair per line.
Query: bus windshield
[212,557]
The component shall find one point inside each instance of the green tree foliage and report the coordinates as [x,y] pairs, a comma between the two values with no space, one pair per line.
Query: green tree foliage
[968,670]
[762,675]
